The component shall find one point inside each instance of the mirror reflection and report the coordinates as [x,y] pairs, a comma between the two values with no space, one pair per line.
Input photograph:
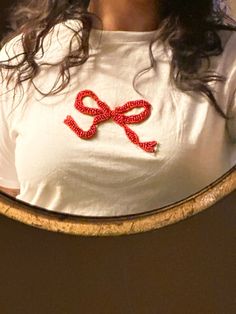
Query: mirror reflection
[106,115]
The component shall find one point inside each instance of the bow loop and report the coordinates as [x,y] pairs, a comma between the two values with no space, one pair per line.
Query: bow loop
[104,113]
[135,118]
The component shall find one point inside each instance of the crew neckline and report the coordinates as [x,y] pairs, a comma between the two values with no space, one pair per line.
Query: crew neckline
[116,36]
[121,36]
[99,38]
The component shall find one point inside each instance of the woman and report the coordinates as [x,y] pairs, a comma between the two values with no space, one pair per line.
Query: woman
[138,107]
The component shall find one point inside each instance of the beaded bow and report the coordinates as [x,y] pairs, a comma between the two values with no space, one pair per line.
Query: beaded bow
[104,113]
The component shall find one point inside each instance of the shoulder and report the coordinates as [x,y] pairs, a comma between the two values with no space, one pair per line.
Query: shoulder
[228,40]
[10,54]
[225,63]
[57,42]
[54,47]
[227,68]
[11,49]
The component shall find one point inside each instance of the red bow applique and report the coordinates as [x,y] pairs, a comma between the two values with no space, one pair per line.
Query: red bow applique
[105,113]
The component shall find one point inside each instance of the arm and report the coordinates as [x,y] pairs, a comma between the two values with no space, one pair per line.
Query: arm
[8,176]
[12,192]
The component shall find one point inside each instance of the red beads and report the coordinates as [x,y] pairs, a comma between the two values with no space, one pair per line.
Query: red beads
[105,113]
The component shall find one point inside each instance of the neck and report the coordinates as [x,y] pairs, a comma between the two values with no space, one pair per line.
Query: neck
[125,15]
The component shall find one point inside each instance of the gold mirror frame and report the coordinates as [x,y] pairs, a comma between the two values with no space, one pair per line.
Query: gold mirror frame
[122,225]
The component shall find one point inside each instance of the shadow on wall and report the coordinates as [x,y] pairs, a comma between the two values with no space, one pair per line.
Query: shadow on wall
[3,14]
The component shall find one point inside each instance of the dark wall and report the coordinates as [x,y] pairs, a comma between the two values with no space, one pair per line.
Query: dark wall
[185,268]
[4,4]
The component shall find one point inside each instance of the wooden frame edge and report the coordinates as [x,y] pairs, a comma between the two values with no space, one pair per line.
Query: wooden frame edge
[131,224]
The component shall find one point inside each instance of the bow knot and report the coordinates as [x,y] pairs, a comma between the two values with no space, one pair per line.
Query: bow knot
[118,115]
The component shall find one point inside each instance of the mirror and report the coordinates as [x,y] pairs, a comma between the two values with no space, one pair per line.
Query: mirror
[131,187]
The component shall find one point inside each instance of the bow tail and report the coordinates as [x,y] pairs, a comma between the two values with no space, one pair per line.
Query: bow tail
[147,146]
[70,122]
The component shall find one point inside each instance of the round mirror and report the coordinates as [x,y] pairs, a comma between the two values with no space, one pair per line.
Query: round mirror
[109,155]
[113,226]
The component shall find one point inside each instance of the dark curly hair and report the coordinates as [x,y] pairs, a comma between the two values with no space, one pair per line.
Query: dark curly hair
[189,28]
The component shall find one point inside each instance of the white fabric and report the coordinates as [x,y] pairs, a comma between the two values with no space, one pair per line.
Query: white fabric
[108,175]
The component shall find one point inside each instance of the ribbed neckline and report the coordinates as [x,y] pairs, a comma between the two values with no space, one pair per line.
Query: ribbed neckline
[117,36]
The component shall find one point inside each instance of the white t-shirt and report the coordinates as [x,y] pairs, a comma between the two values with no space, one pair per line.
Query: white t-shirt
[108,174]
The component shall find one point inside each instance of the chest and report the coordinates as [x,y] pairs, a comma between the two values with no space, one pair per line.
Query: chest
[182,127]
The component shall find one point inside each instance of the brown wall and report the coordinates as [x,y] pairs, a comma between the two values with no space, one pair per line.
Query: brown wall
[188,267]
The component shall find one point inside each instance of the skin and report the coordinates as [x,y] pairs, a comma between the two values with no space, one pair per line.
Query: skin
[123,15]
[126,15]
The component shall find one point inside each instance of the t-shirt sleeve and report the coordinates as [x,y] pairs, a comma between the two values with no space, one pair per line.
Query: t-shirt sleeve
[229,93]
[8,173]
[231,123]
